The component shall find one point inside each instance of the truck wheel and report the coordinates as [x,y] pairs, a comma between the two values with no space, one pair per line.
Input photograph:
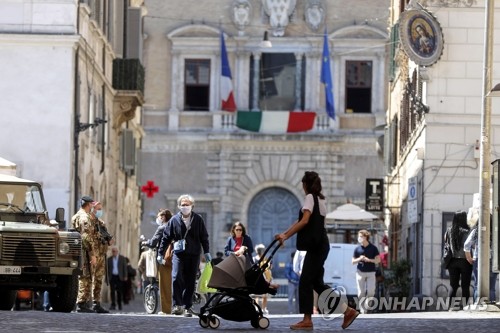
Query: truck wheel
[7,299]
[63,298]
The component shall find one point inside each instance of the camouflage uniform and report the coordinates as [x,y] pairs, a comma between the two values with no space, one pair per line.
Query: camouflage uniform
[82,222]
[100,251]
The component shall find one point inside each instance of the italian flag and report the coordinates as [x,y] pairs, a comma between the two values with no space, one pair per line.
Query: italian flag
[275,121]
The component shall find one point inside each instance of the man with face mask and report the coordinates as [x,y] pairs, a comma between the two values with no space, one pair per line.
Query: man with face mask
[82,222]
[367,257]
[102,240]
[164,266]
[187,229]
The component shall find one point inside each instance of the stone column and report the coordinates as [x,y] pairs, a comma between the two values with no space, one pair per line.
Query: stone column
[256,78]
[173,114]
[298,81]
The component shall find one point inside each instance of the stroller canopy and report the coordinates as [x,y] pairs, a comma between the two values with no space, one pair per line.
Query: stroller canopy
[230,273]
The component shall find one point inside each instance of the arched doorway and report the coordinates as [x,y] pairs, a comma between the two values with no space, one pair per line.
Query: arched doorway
[272,211]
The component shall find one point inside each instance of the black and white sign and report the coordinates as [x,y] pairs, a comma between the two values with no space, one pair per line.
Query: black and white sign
[374,195]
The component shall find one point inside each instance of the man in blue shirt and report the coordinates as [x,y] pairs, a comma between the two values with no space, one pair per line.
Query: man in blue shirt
[367,257]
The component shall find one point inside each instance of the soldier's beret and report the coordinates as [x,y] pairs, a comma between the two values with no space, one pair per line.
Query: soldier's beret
[86,199]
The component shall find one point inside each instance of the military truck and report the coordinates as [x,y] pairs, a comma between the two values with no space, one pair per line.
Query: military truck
[34,253]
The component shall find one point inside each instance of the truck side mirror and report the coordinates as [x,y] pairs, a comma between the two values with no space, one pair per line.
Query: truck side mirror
[60,218]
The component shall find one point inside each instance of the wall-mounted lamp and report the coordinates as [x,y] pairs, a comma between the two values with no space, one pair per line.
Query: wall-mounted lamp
[495,92]
[266,43]
[80,127]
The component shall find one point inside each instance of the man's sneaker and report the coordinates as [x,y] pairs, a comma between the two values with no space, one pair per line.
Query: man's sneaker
[99,309]
[188,312]
[177,310]
[82,308]
[349,315]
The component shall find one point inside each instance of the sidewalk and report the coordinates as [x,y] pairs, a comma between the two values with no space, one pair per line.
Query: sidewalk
[274,305]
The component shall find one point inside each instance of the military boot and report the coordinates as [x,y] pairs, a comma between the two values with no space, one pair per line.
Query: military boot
[97,308]
[82,307]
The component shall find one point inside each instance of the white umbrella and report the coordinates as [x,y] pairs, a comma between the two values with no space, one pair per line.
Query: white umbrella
[350,212]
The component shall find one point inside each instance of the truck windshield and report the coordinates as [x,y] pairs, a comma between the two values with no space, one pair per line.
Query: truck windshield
[21,198]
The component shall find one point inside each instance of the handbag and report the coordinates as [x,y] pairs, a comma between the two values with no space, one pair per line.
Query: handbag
[169,254]
[180,245]
[447,254]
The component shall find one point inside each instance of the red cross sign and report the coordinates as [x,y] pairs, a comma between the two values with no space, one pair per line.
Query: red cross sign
[150,189]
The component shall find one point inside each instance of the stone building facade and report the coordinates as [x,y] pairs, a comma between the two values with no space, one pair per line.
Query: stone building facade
[192,146]
[433,129]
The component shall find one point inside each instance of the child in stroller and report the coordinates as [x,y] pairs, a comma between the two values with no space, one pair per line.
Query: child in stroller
[235,279]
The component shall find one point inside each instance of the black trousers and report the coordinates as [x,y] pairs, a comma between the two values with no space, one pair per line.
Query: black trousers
[116,286]
[460,276]
[312,278]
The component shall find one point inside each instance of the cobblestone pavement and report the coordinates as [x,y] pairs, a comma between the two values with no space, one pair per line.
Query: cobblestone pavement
[134,319]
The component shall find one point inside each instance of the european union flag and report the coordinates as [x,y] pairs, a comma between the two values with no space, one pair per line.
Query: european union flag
[326,78]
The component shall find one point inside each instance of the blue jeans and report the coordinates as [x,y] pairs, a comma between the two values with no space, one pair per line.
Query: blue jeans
[493,282]
[46,301]
[184,269]
[293,298]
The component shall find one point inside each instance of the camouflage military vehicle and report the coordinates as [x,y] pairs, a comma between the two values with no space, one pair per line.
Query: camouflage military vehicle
[34,254]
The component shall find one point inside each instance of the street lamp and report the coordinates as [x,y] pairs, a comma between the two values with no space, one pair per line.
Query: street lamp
[483,266]
[81,127]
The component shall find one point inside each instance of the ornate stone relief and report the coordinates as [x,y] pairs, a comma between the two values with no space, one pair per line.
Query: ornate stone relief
[447,3]
[279,12]
[124,106]
[241,13]
[314,14]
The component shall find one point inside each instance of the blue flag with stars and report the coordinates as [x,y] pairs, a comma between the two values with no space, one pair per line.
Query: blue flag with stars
[326,78]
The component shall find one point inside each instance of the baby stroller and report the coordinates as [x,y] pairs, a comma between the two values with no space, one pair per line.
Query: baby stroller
[235,279]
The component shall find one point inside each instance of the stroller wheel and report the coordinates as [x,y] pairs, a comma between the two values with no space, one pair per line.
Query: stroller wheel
[203,321]
[263,322]
[213,322]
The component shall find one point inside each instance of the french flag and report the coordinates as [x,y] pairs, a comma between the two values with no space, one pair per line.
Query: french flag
[226,85]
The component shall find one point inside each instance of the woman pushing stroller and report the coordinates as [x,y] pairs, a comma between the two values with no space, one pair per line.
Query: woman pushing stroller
[312,237]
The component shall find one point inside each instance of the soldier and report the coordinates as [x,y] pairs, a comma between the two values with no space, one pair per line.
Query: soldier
[102,240]
[81,221]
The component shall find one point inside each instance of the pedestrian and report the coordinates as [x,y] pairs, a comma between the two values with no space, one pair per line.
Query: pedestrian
[189,233]
[219,256]
[366,256]
[470,248]
[311,237]
[268,276]
[293,286]
[459,269]
[141,268]
[239,242]
[117,274]
[82,222]
[102,240]
[164,268]
[128,290]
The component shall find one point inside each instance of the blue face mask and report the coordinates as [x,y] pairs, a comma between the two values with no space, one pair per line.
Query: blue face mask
[98,213]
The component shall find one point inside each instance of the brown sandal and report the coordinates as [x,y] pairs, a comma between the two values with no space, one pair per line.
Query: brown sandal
[302,326]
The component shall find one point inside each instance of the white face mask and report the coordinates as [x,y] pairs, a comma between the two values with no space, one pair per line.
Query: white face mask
[159,221]
[185,210]
[360,240]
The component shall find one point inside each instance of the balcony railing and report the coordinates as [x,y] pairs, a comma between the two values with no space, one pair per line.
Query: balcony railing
[128,74]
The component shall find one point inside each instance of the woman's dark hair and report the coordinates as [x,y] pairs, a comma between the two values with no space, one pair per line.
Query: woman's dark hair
[312,183]
[238,224]
[458,225]
[167,213]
